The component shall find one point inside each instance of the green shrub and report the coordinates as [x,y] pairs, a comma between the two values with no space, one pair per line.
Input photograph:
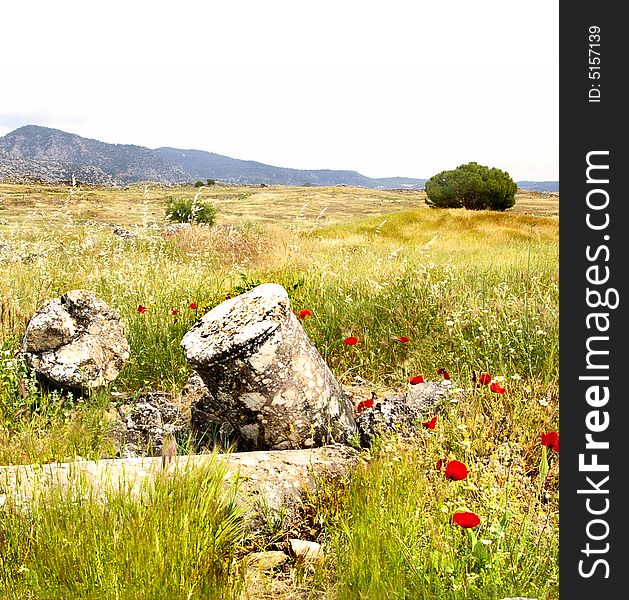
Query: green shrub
[198,183]
[471,186]
[185,210]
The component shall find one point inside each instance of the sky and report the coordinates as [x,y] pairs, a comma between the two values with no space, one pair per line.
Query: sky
[402,88]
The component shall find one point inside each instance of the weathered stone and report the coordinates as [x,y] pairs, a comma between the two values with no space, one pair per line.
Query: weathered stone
[306,551]
[76,341]
[267,561]
[401,413]
[269,482]
[265,377]
[142,427]
[124,233]
[208,429]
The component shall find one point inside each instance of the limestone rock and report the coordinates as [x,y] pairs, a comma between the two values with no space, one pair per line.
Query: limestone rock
[124,233]
[265,377]
[208,429]
[396,412]
[267,561]
[76,341]
[269,482]
[306,551]
[143,426]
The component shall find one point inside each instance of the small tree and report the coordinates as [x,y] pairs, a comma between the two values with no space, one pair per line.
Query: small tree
[471,186]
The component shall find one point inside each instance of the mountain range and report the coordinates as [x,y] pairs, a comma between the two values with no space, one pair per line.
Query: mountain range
[33,152]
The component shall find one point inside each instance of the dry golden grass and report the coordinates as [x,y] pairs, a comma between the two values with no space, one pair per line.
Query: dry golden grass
[305,208]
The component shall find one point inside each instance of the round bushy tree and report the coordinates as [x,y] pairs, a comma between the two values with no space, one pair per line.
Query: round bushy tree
[471,186]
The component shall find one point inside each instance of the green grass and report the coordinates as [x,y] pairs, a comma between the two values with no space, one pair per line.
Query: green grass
[474,292]
[177,541]
[392,533]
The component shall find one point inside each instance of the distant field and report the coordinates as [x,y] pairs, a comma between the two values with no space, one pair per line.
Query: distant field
[303,207]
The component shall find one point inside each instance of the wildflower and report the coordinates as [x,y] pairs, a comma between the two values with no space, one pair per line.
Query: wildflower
[403,339]
[443,372]
[303,313]
[551,440]
[174,312]
[484,378]
[466,519]
[141,309]
[415,380]
[350,341]
[363,404]
[456,470]
[430,424]
[193,305]
[497,388]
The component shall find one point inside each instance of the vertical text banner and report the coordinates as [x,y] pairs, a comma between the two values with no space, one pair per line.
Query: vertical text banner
[594,263]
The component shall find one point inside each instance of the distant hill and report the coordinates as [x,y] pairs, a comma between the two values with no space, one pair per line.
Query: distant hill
[539,186]
[46,153]
[207,165]
[51,155]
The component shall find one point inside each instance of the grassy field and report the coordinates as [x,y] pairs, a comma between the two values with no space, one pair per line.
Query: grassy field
[474,292]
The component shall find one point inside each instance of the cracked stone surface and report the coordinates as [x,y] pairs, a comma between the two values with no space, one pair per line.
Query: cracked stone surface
[76,341]
[269,482]
[402,412]
[264,376]
[140,428]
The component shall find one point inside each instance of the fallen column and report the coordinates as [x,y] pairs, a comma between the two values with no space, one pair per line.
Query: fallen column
[264,376]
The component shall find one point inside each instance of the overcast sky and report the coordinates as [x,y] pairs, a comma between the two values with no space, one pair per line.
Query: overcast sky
[396,88]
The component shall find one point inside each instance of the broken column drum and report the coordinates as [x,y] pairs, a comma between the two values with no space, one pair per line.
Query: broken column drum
[264,375]
[76,341]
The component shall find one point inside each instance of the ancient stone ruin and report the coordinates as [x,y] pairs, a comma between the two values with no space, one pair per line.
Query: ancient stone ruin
[265,379]
[76,341]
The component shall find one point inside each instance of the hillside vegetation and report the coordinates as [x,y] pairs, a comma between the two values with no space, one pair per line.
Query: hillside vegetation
[473,291]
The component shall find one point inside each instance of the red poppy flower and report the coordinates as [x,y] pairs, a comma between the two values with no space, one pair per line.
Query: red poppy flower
[304,312]
[193,305]
[350,341]
[174,312]
[403,339]
[497,388]
[466,519]
[363,404]
[456,470]
[484,378]
[430,424]
[443,372]
[415,380]
[551,440]
[141,309]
